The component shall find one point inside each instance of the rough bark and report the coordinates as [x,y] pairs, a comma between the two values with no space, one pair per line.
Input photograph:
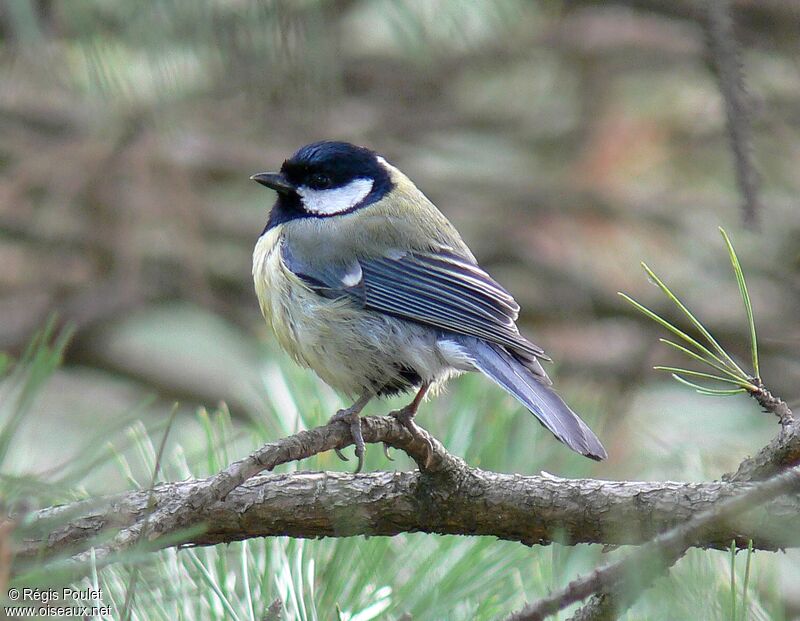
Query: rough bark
[782,452]
[610,596]
[457,500]
[667,547]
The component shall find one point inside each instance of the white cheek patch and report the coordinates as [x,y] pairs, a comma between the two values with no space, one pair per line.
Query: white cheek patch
[335,200]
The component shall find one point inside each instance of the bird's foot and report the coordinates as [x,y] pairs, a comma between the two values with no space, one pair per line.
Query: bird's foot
[405,416]
[352,418]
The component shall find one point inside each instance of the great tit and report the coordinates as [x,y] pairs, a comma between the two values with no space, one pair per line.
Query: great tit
[363,280]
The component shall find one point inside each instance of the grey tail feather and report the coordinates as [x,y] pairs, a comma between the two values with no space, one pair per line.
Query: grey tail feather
[542,401]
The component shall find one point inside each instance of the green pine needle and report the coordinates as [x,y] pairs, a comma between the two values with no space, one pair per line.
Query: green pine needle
[703,390]
[716,378]
[737,270]
[675,330]
[699,358]
[212,582]
[714,356]
[746,581]
[733,580]
[696,322]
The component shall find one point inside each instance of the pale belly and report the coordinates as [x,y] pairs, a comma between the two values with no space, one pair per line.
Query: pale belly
[352,350]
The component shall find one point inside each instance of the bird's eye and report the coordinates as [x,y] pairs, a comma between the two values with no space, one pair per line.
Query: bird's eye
[319,181]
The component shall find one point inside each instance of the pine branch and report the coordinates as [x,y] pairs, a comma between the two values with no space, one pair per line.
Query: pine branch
[650,560]
[448,498]
[611,597]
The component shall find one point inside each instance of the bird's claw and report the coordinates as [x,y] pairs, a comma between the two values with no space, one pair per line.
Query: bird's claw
[405,416]
[386,452]
[354,421]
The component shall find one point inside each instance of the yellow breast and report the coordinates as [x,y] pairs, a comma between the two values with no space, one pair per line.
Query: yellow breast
[274,284]
[353,350]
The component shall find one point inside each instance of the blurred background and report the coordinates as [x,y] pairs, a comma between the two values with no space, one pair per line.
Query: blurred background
[567,141]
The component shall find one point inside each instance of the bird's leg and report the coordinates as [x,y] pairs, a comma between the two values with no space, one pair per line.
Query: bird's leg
[351,417]
[405,416]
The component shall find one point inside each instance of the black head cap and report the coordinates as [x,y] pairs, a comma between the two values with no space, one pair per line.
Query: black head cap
[329,164]
[320,166]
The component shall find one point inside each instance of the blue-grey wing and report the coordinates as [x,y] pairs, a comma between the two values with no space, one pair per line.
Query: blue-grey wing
[445,291]
[442,289]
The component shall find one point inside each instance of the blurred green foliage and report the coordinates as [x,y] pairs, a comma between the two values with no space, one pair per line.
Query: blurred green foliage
[430,577]
[566,140]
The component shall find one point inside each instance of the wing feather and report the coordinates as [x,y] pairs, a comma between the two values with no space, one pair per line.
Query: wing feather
[411,277]
[464,273]
[442,290]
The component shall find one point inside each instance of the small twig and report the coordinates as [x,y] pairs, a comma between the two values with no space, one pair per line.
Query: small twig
[606,606]
[728,70]
[609,605]
[650,560]
[772,404]
[782,452]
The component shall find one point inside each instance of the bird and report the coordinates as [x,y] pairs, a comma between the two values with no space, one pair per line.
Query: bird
[363,280]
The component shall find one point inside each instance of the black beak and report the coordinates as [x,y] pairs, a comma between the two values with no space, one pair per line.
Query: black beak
[274,181]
